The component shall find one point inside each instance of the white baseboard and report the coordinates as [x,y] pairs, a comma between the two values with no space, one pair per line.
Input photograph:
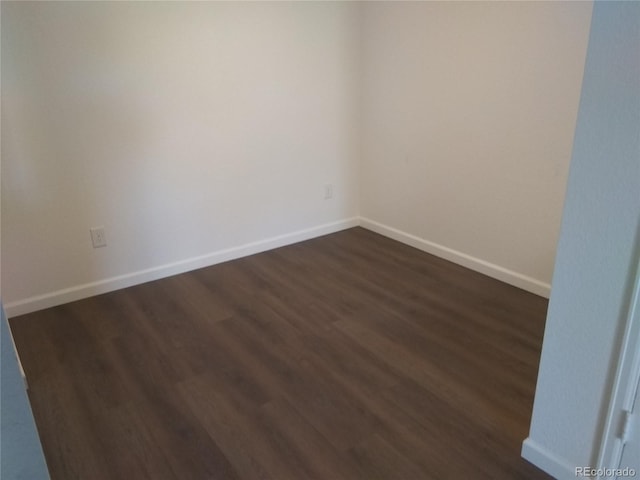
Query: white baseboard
[79,292]
[547,461]
[495,271]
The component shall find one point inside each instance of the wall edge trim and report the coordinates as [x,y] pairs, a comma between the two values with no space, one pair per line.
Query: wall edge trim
[547,461]
[482,266]
[78,292]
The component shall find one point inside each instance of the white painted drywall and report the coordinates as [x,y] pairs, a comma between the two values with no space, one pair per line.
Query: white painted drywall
[597,251]
[194,132]
[183,128]
[469,110]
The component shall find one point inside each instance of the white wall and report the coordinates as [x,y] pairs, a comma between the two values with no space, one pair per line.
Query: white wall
[597,252]
[185,128]
[469,110]
[199,131]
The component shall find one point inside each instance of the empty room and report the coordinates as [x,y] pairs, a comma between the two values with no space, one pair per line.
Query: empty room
[320,240]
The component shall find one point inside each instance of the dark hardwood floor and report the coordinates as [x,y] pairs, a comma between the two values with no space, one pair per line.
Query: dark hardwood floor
[349,356]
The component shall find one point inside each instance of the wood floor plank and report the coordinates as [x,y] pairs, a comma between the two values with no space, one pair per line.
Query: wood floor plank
[457,364]
[129,448]
[190,451]
[300,444]
[227,423]
[330,409]
[348,356]
[381,461]
[67,430]
[429,373]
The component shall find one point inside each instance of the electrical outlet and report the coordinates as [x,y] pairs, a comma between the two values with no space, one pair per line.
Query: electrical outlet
[98,238]
[328,191]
